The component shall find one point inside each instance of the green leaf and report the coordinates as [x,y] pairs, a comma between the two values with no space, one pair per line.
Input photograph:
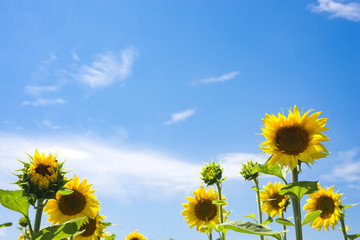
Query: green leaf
[252,215]
[251,228]
[59,232]
[267,221]
[112,236]
[14,200]
[349,205]
[299,189]
[254,188]
[274,170]
[8,224]
[353,236]
[285,222]
[311,217]
[218,202]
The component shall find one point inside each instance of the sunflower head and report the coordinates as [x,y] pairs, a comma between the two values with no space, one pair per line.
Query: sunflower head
[211,174]
[294,138]
[93,229]
[247,169]
[200,209]
[329,203]
[135,236]
[42,177]
[273,202]
[80,203]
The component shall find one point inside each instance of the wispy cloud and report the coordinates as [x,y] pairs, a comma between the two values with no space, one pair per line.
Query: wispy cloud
[138,172]
[180,116]
[52,57]
[75,56]
[44,101]
[107,69]
[348,170]
[39,90]
[221,78]
[338,9]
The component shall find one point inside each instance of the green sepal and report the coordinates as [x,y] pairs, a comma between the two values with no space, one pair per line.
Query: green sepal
[112,236]
[252,215]
[254,188]
[218,202]
[284,222]
[299,189]
[347,206]
[251,228]
[311,217]
[58,232]
[8,224]
[14,200]
[65,191]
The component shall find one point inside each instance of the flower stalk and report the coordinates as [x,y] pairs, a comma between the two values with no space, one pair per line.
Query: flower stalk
[39,210]
[296,207]
[218,185]
[343,228]
[256,181]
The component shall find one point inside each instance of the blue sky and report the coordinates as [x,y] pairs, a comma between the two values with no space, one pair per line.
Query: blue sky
[138,94]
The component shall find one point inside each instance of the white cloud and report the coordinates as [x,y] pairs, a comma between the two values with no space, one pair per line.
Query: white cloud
[107,69]
[136,172]
[52,57]
[180,116]
[221,78]
[348,170]
[48,124]
[38,90]
[338,9]
[43,101]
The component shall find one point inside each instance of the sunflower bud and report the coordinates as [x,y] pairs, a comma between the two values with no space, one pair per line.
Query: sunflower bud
[247,169]
[42,177]
[211,174]
[22,222]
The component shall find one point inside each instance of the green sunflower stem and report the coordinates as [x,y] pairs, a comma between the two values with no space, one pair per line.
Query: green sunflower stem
[296,207]
[343,228]
[39,210]
[71,237]
[220,209]
[256,181]
[210,235]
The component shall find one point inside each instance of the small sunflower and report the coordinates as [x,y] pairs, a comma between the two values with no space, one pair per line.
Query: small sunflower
[80,203]
[200,210]
[43,169]
[278,204]
[329,203]
[295,138]
[135,236]
[93,229]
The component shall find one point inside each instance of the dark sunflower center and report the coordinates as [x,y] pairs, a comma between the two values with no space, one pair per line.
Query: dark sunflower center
[43,170]
[205,210]
[327,206]
[89,228]
[292,140]
[135,239]
[72,204]
[277,199]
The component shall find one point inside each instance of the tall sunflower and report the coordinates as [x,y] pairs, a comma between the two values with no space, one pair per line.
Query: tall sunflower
[329,203]
[43,170]
[93,229]
[80,203]
[278,204]
[135,236]
[295,138]
[200,210]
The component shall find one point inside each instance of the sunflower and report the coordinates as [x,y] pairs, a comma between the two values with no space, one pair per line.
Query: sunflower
[135,236]
[329,203]
[80,203]
[43,170]
[200,210]
[278,204]
[93,229]
[295,138]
